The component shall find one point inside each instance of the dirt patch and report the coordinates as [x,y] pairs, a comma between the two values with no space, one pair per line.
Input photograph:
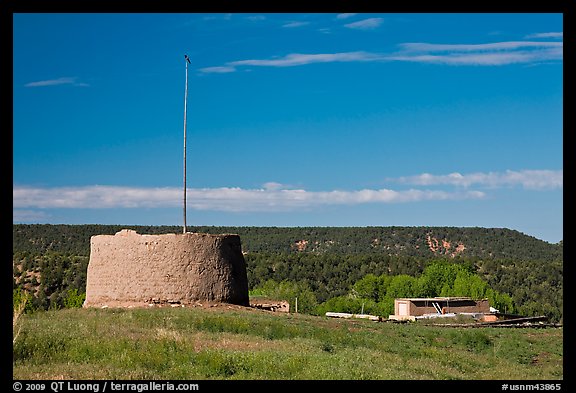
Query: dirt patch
[443,246]
[542,357]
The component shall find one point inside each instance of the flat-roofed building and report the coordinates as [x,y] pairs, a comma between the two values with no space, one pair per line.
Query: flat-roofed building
[410,308]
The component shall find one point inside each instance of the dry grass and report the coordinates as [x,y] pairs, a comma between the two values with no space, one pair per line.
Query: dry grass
[16,318]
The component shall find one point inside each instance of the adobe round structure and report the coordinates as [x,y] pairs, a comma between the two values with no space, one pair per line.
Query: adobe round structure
[129,269]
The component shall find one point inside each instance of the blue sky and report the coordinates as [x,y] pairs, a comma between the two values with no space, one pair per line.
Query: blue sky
[318,119]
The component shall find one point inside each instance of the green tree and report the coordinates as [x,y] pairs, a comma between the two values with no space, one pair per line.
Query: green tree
[289,291]
[371,287]
[402,285]
[500,301]
[425,286]
[471,285]
[440,277]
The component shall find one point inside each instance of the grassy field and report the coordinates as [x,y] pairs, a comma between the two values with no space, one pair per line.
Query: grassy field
[228,342]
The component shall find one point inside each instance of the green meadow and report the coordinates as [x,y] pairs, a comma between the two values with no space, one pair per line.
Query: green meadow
[229,342]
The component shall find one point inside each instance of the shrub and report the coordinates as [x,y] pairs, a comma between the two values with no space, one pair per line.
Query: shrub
[74,299]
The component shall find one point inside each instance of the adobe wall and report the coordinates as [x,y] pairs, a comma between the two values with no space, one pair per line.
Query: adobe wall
[131,269]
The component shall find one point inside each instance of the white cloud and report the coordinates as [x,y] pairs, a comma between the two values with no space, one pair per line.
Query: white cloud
[218,17]
[92,196]
[546,35]
[295,59]
[490,54]
[496,46]
[485,59]
[256,18]
[344,16]
[295,24]
[218,70]
[273,186]
[366,24]
[272,197]
[58,81]
[528,179]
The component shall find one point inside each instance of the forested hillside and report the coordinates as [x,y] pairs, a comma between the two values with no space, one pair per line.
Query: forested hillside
[495,243]
[51,260]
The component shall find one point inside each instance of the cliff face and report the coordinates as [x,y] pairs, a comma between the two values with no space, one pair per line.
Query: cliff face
[129,269]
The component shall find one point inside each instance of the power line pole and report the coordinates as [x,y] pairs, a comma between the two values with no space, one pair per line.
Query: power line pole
[185,98]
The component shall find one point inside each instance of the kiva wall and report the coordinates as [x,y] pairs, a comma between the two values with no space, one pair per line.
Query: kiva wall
[132,269]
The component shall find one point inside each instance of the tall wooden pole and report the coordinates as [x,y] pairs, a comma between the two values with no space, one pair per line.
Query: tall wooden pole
[185,98]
